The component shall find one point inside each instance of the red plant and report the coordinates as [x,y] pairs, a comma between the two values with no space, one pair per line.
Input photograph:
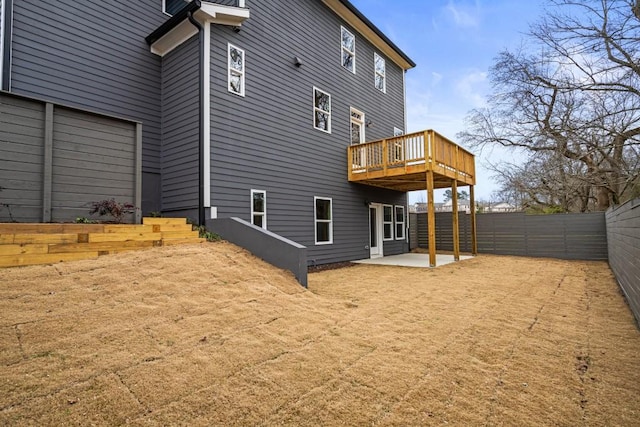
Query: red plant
[112,208]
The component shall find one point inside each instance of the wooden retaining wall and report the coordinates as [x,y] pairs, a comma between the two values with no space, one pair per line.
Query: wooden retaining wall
[29,244]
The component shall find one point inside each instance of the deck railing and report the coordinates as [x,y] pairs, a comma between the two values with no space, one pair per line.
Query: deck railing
[426,150]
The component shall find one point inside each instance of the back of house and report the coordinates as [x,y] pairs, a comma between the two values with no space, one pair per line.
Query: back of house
[241,108]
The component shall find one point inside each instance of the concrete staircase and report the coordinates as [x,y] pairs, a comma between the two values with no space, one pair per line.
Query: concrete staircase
[30,244]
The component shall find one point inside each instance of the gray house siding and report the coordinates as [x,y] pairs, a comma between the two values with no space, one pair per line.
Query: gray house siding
[21,159]
[93,55]
[55,161]
[266,139]
[180,128]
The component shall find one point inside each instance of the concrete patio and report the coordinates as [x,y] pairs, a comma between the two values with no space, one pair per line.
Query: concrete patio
[412,260]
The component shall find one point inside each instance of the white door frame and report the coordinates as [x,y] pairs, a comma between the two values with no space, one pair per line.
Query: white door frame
[376,251]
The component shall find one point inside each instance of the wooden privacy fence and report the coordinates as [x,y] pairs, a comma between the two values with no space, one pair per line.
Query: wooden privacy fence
[55,160]
[623,236]
[565,236]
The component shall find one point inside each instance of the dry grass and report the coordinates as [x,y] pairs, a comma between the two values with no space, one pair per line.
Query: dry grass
[208,335]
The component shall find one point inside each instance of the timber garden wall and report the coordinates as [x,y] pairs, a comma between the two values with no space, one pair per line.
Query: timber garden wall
[55,160]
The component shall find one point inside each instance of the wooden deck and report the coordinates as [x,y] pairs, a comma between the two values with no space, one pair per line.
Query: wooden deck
[29,244]
[402,162]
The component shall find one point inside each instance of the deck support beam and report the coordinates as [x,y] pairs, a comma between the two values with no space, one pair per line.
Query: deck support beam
[455,226]
[431,219]
[472,206]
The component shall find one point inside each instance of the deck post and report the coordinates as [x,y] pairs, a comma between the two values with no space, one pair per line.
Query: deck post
[431,218]
[472,206]
[456,230]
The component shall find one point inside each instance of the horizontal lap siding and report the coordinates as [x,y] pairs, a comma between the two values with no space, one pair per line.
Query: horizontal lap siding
[266,140]
[623,235]
[93,160]
[180,127]
[21,158]
[92,55]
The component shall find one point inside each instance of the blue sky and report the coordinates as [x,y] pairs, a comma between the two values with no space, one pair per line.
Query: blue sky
[453,43]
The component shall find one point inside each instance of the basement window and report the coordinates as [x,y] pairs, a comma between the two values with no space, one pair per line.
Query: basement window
[323,220]
[387,222]
[399,222]
[259,208]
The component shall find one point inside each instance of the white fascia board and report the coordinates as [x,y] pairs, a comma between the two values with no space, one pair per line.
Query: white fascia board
[208,14]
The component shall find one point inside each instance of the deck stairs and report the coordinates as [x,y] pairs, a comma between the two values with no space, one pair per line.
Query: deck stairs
[30,244]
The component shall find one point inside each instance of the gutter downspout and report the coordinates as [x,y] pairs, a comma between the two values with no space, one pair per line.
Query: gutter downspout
[5,49]
[201,109]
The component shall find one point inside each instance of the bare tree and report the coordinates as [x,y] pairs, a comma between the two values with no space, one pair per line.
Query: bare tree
[572,101]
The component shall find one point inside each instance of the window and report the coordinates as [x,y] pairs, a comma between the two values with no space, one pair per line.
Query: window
[323,221]
[259,208]
[387,222]
[171,7]
[400,222]
[348,50]
[357,126]
[236,70]
[380,75]
[321,110]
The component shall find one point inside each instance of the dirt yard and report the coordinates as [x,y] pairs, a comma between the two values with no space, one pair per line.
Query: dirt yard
[208,335]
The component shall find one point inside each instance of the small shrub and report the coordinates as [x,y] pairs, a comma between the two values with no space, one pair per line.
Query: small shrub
[110,207]
[206,234]
[155,214]
[84,220]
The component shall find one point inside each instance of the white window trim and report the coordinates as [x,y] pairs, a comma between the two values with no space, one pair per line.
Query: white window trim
[230,70]
[404,221]
[313,94]
[385,238]
[360,121]
[329,221]
[263,214]
[342,48]
[383,74]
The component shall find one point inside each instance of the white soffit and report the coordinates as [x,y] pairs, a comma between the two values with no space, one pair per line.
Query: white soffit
[208,13]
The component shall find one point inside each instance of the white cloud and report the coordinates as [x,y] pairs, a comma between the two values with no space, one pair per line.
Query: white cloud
[435,78]
[463,15]
[472,87]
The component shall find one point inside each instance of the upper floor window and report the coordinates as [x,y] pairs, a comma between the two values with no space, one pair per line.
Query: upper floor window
[381,75]
[321,110]
[236,70]
[171,7]
[348,50]
[259,208]
[323,220]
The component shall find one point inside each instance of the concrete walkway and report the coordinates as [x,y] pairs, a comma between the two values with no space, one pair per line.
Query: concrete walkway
[412,260]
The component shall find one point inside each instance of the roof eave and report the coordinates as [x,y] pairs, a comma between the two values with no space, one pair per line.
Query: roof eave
[350,14]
